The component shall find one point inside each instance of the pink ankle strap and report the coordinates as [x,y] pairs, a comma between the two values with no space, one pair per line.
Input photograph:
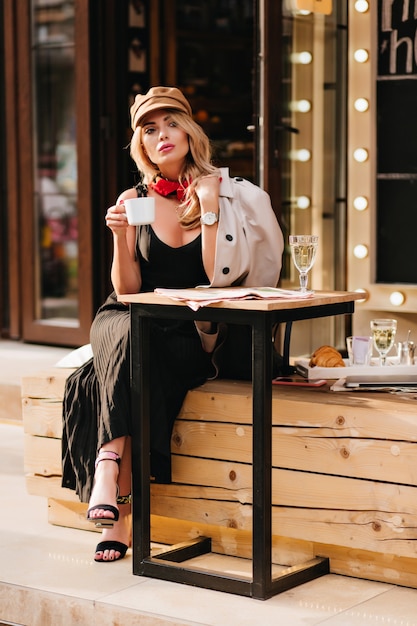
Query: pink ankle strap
[113,457]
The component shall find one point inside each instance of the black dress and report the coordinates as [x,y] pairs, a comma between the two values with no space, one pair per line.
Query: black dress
[96,406]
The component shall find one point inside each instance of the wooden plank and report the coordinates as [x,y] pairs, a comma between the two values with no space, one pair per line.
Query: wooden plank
[219,401]
[69,514]
[342,414]
[310,490]
[302,449]
[347,414]
[292,488]
[49,487]
[42,456]
[47,384]
[213,440]
[388,568]
[228,541]
[234,477]
[42,416]
[374,459]
[381,532]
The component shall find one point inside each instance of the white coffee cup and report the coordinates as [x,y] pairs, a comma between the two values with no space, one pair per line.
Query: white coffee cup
[140,210]
[359,350]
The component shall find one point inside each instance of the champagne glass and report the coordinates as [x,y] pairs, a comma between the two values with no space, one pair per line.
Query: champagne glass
[383,335]
[303,252]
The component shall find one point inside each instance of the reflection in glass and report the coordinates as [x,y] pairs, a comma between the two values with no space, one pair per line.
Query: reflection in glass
[214,51]
[55,158]
[311,148]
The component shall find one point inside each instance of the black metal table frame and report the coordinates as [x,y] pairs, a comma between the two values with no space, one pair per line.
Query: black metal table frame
[167,566]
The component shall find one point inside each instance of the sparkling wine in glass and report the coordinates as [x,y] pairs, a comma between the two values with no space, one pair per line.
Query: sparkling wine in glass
[303,252]
[383,335]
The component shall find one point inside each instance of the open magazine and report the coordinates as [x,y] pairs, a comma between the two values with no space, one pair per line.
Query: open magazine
[201,296]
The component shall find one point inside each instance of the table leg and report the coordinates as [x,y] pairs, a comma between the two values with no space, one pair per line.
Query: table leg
[287,369]
[261,457]
[140,385]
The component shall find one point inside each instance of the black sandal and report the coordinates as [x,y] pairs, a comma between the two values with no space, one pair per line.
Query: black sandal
[114,545]
[111,545]
[105,522]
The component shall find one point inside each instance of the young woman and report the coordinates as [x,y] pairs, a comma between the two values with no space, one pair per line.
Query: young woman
[209,229]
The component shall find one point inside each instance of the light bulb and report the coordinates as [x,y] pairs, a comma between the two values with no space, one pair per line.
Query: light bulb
[361,55]
[300,106]
[360,155]
[365,294]
[303,202]
[360,251]
[360,203]
[303,57]
[302,155]
[361,6]
[306,58]
[361,105]
[397,298]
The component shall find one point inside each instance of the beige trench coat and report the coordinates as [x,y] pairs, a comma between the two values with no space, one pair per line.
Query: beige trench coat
[249,239]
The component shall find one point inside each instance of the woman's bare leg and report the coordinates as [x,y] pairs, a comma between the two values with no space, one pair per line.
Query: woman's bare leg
[106,478]
[121,530]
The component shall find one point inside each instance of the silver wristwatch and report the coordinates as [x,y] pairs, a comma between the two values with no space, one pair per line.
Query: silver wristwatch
[209,218]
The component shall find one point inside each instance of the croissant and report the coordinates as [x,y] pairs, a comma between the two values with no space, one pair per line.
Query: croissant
[326,356]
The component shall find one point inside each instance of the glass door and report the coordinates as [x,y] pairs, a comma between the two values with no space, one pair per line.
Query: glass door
[56,207]
[210,55]
[312,152]
[55,164]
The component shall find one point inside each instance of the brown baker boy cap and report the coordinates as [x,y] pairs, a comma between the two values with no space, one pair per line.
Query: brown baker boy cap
[158,98]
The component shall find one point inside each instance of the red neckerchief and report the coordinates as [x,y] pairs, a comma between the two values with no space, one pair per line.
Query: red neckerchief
[169,187]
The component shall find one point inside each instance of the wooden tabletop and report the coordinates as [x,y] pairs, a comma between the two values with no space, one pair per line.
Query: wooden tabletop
[319,298]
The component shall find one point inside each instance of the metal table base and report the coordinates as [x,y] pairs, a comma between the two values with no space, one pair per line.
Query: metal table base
[167,566]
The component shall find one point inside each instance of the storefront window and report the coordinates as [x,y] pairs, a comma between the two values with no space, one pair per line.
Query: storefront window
[55,161]
[396,187]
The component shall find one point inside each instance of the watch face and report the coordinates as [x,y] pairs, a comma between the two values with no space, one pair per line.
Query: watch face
[209,218]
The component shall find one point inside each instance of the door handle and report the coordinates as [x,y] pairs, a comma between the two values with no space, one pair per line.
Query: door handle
[286,127]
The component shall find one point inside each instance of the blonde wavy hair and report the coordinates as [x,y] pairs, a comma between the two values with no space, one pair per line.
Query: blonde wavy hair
[197,164]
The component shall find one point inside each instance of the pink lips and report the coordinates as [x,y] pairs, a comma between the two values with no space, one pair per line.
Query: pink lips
[166,147]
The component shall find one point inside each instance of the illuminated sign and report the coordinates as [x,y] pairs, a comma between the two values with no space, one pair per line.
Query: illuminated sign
[315,6]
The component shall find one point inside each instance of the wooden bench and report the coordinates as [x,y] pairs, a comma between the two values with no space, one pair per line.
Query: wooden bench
[344,474]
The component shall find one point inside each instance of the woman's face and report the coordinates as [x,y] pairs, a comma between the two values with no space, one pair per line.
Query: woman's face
[165,143]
